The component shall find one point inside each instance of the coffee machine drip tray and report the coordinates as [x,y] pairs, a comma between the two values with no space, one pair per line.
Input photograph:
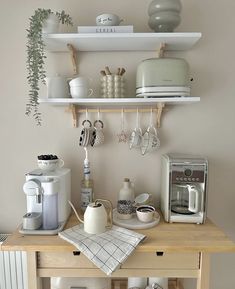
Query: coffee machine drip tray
[40,231]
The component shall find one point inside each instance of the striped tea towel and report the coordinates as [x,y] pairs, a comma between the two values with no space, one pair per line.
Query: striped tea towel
[109,250]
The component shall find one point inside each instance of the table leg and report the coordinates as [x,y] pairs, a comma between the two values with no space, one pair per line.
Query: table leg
[34,282]
[179,284]
[204,272]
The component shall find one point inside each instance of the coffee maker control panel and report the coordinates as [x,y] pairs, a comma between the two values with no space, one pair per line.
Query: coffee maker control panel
[184,174]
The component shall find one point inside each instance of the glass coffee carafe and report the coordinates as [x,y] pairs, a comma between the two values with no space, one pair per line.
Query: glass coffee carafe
[185,199]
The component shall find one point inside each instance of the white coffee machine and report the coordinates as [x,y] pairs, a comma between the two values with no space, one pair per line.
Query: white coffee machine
[184,188]
[56,185]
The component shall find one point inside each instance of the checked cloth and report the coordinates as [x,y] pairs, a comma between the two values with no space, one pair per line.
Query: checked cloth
[109,250]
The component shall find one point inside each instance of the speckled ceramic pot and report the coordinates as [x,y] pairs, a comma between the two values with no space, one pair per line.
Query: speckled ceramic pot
[164,15]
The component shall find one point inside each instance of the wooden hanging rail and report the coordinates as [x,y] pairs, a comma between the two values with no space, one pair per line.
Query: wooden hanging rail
[77,110]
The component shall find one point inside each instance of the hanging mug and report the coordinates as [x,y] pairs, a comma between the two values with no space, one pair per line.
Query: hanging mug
[150,140]
[99,134]
[87,133]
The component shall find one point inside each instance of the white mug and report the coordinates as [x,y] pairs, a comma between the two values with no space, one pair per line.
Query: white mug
[50,165]
[99,134]
[145,213]
[135,138]
[150,140]
[108,19]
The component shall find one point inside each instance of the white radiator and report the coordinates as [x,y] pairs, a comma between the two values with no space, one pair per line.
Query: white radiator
[13,268]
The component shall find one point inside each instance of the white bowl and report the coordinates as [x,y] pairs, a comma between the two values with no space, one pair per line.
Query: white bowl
[80,91]
[79,81]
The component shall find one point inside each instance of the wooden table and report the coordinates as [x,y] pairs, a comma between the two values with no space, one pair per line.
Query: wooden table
[170,250]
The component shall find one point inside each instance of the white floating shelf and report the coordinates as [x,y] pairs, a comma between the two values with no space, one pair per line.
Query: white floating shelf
[118,102]
[121,41]
[77,105]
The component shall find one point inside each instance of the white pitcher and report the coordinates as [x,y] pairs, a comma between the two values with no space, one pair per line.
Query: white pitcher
[96,218]
[57,86]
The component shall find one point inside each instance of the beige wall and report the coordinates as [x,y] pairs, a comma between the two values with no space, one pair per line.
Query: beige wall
[206,128]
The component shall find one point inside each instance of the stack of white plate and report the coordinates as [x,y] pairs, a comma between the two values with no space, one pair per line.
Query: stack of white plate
[163,91]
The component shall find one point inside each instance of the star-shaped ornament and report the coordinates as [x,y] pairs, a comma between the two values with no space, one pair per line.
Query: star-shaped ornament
[122,137]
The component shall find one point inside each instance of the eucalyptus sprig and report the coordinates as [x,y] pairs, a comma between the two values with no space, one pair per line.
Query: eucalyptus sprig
[36,56]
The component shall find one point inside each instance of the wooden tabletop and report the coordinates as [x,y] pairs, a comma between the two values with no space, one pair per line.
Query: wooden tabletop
[165,237]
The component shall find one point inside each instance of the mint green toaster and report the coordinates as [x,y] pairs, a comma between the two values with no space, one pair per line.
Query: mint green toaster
[163,77]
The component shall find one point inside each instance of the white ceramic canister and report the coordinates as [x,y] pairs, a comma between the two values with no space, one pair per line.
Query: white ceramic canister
[51,24]
[57,86]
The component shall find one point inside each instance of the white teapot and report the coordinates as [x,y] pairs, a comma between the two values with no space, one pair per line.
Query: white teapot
[95,217]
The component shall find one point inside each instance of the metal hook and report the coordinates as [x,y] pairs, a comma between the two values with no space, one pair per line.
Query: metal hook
[98,114]
[122,119]
[151,117]
[137,118]
[86,114]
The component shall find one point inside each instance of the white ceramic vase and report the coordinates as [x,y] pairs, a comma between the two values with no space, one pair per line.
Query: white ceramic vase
[164,15]
[127,192]
[51,24]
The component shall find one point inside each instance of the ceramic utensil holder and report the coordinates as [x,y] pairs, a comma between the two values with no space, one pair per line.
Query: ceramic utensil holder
[112,86]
